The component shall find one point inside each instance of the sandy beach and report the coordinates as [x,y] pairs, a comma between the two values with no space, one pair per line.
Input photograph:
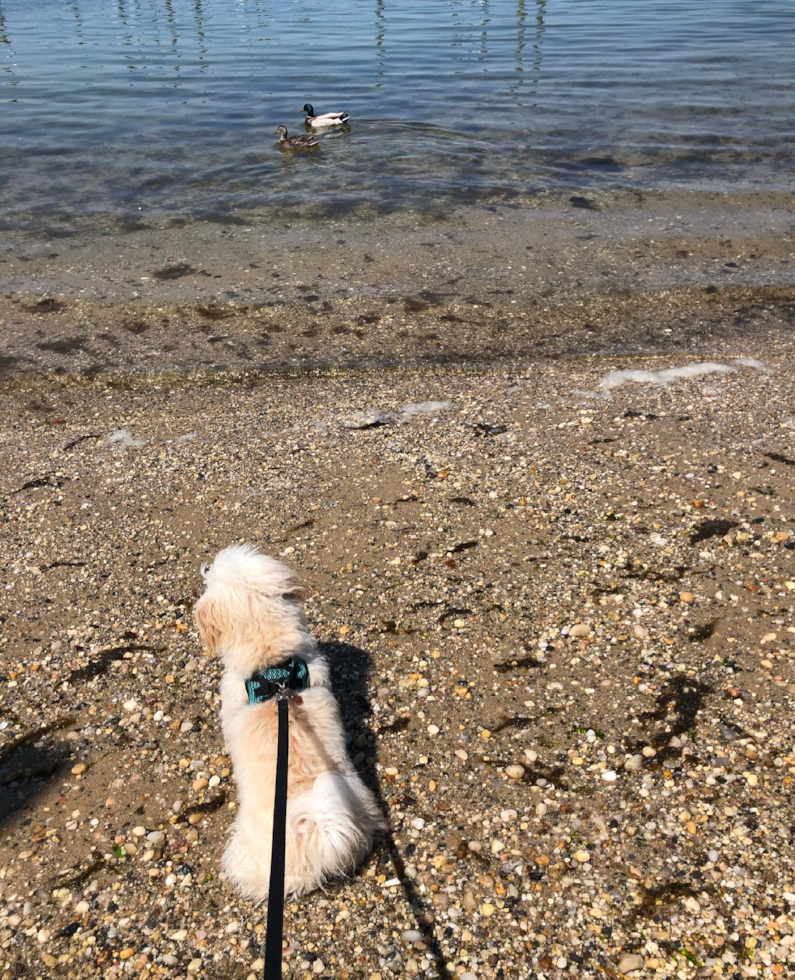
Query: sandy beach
[559,604]
[505,369]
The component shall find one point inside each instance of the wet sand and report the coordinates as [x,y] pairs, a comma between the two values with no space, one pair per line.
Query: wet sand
[608,273]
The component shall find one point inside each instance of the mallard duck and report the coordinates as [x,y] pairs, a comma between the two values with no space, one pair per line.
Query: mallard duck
[325,120]
[292,143]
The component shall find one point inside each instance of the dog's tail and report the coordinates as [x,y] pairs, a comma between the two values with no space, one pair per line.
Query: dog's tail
[330,829]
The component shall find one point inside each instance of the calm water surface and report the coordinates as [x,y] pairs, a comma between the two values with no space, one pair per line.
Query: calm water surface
[130,108]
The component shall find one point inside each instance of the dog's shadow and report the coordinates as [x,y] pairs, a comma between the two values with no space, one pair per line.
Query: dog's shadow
[350,677]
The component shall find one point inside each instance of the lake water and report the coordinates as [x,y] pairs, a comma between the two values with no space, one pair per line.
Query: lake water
[119,109]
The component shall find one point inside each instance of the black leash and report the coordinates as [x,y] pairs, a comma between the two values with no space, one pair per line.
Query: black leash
[275,928]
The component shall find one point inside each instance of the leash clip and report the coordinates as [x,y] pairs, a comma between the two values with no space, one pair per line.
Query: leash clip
[288,694]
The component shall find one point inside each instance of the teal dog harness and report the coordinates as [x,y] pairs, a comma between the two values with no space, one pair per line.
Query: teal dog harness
[291,676]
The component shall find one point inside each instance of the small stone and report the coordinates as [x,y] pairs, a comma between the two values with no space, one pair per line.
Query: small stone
[43,935]
[648,751]
[686,597]
[630,962]
[200,783]
[580,629]
[433,730]
[79,769]
[691,827]
[195,818]
[497,846]
[130,705]
[583,857]
[609,776]
[139,831]
[475,846]
[125,954]
[179,935]
[318,966]
[214,781]
[751,778]
[156,837]
[412,936]
[487,910]
[461,754]
[634,763]
[640,631]
[418,823]
[507,816]
[194,966]
[515,772]
[714,856]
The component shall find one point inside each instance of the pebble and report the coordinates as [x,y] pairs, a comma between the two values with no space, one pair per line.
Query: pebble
[582,856]
[433,730]
[318,966]
[515,772]
[580,629]
[412,936]
[609,776]
[634,763]
[630,962]
[79,769]
[156,837]
[139,831]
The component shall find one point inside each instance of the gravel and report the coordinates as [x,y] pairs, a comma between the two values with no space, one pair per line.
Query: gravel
[561,627]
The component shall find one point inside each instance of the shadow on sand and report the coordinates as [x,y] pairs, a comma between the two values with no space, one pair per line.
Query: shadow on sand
[350,674]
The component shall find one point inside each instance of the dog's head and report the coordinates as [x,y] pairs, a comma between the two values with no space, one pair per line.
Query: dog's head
[251,613]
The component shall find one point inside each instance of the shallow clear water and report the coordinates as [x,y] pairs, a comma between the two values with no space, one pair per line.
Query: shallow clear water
[139,108]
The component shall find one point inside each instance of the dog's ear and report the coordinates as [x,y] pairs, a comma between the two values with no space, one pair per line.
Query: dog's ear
[209,629]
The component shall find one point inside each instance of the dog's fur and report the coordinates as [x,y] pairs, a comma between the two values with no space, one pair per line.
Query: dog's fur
[252,616]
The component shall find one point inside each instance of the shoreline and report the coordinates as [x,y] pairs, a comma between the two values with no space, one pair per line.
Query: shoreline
[76,340]
[617,274]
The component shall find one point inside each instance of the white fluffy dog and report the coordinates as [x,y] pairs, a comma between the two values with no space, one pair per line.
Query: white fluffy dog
[252,616]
